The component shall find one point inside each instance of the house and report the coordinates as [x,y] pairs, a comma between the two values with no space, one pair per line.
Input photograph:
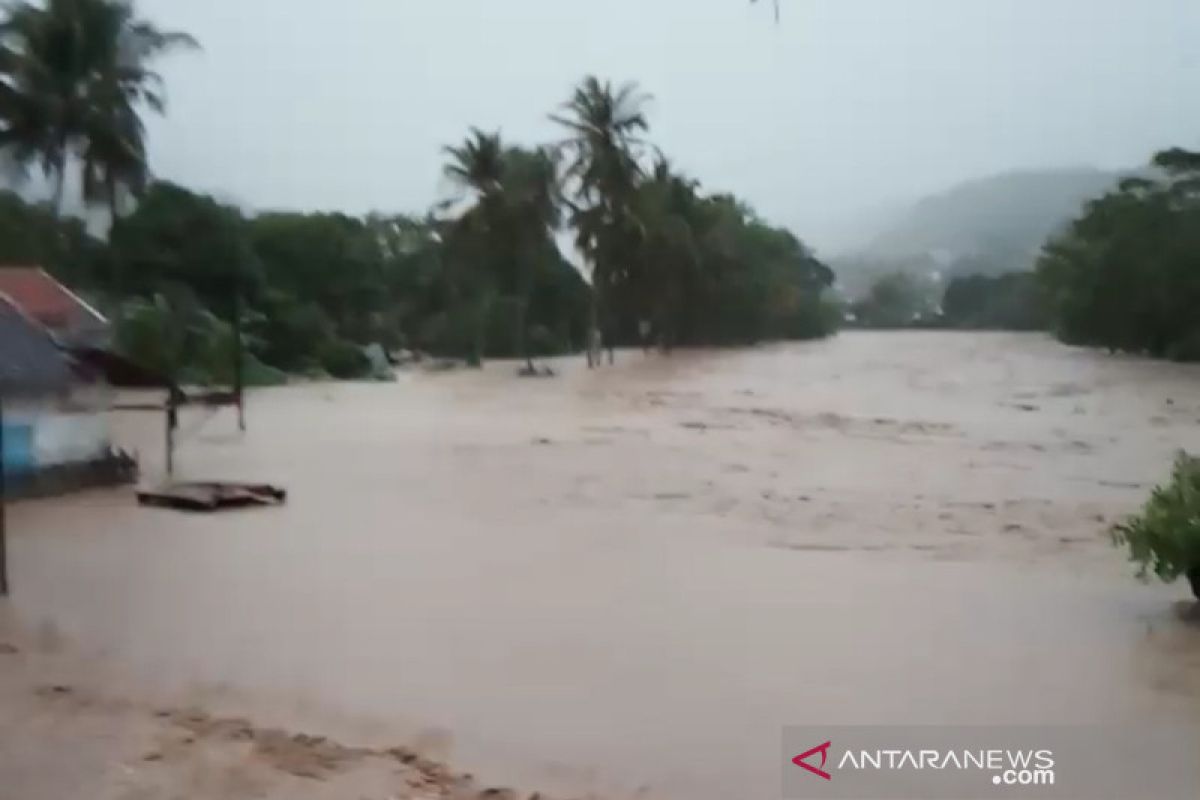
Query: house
[52,413]
[63,313]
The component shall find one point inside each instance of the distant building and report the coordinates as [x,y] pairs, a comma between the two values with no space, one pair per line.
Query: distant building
[63,313]
[54,413]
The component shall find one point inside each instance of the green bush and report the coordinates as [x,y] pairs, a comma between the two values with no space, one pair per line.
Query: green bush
[543,342]
[501,327]
[815,317]
[1186,349]
[452,333]
[1165,537]
[256,373]
[344,360]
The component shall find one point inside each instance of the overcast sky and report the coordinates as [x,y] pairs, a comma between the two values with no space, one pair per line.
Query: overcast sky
[844,106]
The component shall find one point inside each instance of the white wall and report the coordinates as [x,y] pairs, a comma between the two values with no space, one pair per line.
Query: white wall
[63,430]
[61,438]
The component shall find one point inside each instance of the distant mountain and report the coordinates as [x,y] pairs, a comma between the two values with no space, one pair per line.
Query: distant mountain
[1007,216]
[988,225]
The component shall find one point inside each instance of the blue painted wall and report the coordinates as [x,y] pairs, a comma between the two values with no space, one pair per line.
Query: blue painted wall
[18,448]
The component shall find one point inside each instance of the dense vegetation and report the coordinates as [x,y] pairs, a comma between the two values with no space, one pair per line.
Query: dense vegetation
[897,300]
[1165,537]
[975,301]
[319,292]
[1011,301]
[1126,274]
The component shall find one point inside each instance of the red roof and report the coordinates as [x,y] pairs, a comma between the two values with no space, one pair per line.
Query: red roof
[49,302]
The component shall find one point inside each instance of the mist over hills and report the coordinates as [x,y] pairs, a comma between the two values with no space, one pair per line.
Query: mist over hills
[987,225]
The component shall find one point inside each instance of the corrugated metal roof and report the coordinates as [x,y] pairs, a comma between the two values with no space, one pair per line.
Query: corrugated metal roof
[42,297]
[30,361]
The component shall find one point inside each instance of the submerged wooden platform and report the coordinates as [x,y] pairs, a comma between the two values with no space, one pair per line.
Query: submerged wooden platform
[212,496]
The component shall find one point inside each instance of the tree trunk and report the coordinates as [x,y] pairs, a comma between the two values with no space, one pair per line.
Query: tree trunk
[60,186]
[110,190]
[1193,576]
[522,341]
[481,319]
[522,300]
[591,345]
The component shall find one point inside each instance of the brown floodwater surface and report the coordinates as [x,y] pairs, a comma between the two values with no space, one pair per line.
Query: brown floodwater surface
[632,578]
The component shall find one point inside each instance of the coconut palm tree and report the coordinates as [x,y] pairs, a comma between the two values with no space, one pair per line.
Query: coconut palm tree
[532,203]
[668,206]
[477,165]
[75,77]
[506,231]
[475,168]
[604,147]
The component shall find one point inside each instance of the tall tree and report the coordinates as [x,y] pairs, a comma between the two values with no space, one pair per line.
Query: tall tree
[668,206]
[1125,275]
[74,78]
[531,200]
[512,206]
[476,168]
[604,146]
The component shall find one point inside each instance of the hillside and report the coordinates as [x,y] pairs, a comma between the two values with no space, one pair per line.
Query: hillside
[988,225]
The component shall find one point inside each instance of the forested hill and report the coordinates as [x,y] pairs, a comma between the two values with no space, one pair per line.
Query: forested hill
[995,224]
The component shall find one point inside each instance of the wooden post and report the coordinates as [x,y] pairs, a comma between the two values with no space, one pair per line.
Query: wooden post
[239,381]
[172,421]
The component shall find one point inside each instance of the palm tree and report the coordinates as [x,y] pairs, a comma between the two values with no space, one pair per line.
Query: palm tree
[75,76]
[668,206]
[476,169]
[476,165]
[532,203]
[506,230]
[604,148]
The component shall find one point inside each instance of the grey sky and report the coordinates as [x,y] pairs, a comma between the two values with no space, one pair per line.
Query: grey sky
[843,106]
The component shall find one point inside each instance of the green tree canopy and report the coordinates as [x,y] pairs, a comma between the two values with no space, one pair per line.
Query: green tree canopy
[1126,274]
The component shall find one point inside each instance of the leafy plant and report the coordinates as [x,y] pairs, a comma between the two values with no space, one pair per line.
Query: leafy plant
[1123,275]
[1165,537]
[344,360]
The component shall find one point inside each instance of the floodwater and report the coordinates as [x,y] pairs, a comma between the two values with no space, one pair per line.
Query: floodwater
[630,579]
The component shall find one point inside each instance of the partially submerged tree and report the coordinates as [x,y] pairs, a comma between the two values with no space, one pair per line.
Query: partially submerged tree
[604,125]
[504,236]
[1164,539]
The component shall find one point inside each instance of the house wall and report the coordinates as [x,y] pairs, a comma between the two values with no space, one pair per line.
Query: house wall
[52,431]
[63,438]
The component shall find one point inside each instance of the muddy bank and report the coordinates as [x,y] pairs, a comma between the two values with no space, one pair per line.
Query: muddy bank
[69,739]
[627,581]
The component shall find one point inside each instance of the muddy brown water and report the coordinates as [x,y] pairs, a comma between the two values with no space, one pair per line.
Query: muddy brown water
[630,579]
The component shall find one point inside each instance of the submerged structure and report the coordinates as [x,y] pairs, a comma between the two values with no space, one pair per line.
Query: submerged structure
[53,413]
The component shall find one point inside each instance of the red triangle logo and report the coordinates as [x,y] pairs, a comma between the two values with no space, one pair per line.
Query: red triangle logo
[800,761]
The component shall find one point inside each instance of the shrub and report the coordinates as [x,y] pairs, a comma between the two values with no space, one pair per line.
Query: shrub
[1165,537]
[344,360]
[257,374]
[543,342]
[452,333]
[1186,349]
